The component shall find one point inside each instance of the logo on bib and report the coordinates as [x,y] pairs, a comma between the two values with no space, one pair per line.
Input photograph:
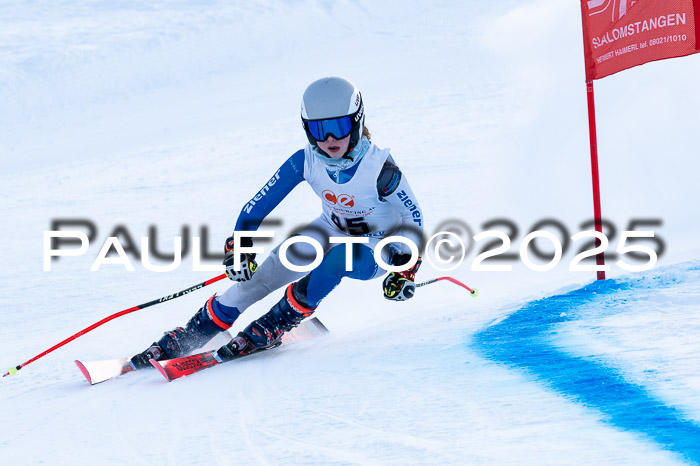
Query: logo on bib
[343,200]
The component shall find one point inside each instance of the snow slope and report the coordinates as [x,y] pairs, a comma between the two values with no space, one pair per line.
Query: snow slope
[174,114]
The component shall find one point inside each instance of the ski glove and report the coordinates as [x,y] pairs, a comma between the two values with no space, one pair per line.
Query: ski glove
[400,286]
[248,264]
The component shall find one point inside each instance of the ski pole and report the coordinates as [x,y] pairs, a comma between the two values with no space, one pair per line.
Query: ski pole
[473,291]
[13,370]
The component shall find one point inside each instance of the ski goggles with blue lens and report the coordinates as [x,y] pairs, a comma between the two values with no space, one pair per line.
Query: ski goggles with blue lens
[338,127]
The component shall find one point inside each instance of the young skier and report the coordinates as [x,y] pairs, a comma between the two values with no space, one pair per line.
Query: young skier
[363,194]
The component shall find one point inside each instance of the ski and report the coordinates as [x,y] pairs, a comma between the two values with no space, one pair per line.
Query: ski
[99,371]
[173,369]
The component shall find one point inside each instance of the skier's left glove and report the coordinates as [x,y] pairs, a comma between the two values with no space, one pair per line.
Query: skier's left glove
[400,286]
[248,264]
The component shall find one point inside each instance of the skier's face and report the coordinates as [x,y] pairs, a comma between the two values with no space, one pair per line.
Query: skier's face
[335,148]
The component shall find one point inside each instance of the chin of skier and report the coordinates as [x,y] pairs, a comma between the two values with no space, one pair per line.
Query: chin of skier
[363,194]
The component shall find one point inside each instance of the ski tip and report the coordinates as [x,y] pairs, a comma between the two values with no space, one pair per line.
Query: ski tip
[160,368]
[319,324]
[84,370]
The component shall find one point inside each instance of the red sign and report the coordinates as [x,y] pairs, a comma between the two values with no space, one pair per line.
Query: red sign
[620,34]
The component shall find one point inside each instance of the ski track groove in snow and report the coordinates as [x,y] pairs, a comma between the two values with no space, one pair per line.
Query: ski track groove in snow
[121,430]
[435,447]
[245,418]
[220,456]
[337,454]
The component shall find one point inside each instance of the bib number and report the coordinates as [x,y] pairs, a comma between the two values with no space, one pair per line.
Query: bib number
[353,226]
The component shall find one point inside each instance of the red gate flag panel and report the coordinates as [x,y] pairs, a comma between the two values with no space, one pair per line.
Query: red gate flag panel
[620,34]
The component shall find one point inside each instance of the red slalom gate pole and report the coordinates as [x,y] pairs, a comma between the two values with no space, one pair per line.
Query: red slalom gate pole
[13,370]
[473,291]
[600,258]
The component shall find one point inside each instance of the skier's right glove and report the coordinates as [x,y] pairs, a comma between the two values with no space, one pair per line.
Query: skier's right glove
[248,264]
[400,286]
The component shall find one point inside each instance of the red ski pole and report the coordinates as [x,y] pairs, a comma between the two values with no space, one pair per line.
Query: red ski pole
[13,370]
[473,291]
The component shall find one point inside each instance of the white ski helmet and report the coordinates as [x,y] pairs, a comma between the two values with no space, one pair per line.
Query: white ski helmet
[332,106]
